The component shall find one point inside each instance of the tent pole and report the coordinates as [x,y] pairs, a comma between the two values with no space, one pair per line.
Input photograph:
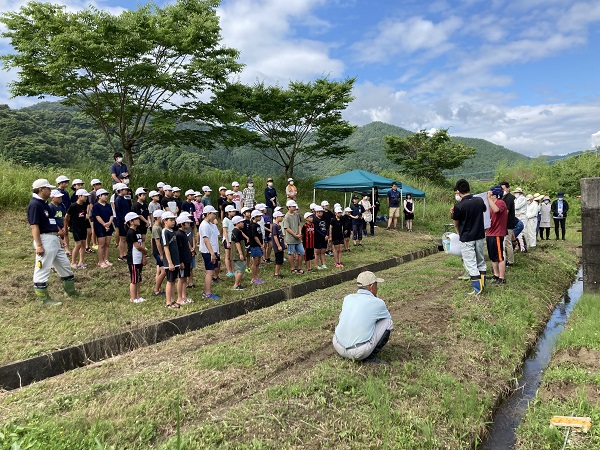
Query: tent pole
[373,220]
[423,208]
[402,210]
[345,199]
[314,194]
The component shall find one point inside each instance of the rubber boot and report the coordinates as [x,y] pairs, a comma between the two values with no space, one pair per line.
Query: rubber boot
[69,286]
[483,280]
[465,276]
[476,284]
[42,294]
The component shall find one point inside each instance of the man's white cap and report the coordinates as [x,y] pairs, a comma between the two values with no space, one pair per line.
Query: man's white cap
[82,192]
[367,278]
[130,216]
[222,188]
[348,209]
[206,189]
[307,214]
[229,208]
[168,215]
[183,218]
[337,205]
[318,208]
[291,203]
[290,179]
[209,209]
[140,190]
[77,181]
[277,214]
[312,206]
[338,210]
[158,213]
[153,193]
[324,203]
[235,183]
[197,194]
[61,178]
[229,192]
[244,209]
[260,206]
[176,189]
[42,183]
[166,187]
[100,192]
[278,208]
[256,213]
[119,186]
[160,184]
[95,181]
[237,219]
[55,194]
[189,192]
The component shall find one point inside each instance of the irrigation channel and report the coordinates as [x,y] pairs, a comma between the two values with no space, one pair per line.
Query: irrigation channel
[511,411]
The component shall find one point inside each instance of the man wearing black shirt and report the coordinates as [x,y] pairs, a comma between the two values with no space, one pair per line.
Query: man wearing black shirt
[509,199]
[468,223]
[48,250]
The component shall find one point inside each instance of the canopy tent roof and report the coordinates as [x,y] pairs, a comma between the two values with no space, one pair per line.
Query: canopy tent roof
[361,181]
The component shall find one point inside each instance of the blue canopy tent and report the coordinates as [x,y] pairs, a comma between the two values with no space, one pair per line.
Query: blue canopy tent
[360,181]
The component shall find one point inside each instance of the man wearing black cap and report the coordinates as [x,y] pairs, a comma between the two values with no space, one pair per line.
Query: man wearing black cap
[48,249]
[496,233]
[270,197]
[559,210]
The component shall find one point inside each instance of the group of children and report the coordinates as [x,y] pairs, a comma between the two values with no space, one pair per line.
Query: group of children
[180,226]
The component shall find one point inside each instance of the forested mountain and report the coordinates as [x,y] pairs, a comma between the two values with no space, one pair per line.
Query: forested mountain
[51,134]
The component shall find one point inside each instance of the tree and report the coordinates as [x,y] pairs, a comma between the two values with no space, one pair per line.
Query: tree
[137,75]
[288,126]
[427,154]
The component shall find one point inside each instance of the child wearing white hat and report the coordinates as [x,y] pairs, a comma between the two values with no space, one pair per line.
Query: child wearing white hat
[136,256]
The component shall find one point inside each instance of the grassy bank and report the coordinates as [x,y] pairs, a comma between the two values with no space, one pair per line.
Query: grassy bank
[570,385]
[270,379]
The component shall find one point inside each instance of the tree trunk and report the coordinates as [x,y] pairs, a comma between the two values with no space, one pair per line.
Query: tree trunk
[128,156]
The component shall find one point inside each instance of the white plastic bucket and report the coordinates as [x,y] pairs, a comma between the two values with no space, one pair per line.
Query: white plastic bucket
[451,244]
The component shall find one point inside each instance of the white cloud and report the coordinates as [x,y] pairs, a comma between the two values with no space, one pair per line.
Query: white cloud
[595,141]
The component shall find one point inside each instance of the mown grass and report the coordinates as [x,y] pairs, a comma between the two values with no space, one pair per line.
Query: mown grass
[270,379]
[570,384]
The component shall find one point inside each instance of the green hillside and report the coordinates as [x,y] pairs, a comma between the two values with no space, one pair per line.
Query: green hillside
[49,133]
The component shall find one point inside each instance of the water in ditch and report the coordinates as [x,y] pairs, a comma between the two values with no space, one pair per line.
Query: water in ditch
[511,411]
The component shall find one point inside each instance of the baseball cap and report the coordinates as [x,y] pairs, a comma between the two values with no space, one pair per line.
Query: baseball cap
[249,180]
[160,184]
[95,181]
[307,215]
[560,195]
[290,179]
[82,192]
[176,189]
[277,214]
[260,206]
[140,190]
[77,181]
[290,203]
[168,215]
[318,208]
[235,183]
[189,192]
[130,216]
[152,193]
[61,178]
[278,208]
[42,183]
[55,194]
[206,189]
[312,206]
[119,186]
[183,218]
[222,188]
[158,213]
[497,191]
[324,203]
[269,179]
[244,209]
[229,208]
[256,213]
[367,278]
[166,187]
[100,192]
[229,192]
[347,209]
[338,210]
[209,209]
[237,219]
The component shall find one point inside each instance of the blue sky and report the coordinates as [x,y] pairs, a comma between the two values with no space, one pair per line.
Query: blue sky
[523,74]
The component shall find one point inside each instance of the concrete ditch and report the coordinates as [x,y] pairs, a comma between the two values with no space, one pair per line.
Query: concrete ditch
[22,373]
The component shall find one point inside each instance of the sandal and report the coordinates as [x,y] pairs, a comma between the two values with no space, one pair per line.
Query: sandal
[298,271]
[173,305]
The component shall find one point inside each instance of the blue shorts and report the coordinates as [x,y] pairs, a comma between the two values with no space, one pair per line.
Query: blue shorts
[193,266]
[208,264]
[256,252]
[159,261]
[295,248]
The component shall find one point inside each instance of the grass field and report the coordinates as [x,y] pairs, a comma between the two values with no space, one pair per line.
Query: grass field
[270,379]
[570,386]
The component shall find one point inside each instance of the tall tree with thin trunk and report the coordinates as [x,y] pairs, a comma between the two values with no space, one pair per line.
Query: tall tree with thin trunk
[138,74]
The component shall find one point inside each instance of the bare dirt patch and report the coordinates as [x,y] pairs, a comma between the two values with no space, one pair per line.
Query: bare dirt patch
[582,357]
[566,390]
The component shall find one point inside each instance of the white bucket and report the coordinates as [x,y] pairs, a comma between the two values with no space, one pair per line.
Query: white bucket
[452,244]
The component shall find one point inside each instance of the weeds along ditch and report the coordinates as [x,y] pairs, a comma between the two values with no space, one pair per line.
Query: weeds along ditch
[270,379]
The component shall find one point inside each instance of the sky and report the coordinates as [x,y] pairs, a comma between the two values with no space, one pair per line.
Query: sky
[523,74]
